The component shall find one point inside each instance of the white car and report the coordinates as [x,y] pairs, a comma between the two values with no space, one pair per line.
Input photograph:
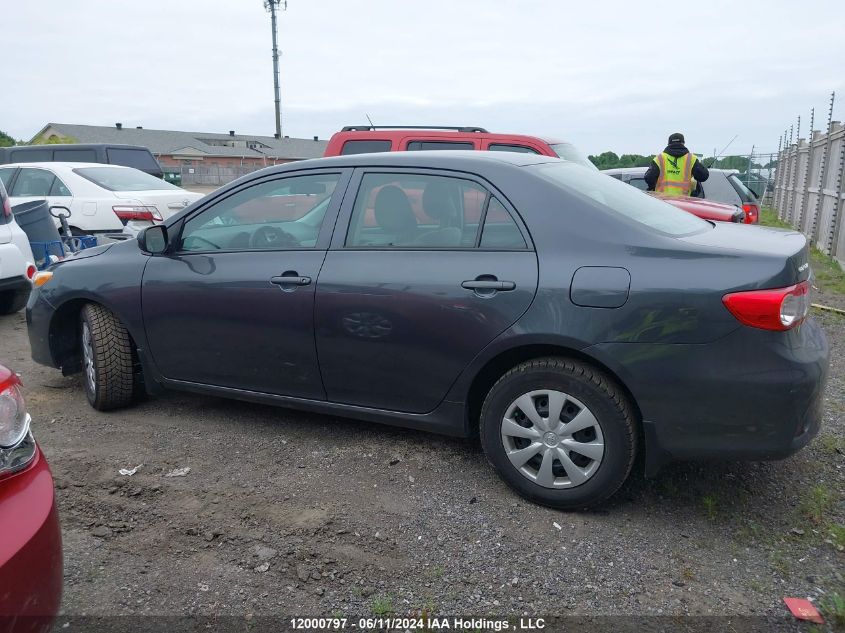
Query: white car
[101,198]
[17,265]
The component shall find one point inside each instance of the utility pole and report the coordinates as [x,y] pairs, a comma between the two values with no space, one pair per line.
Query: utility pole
[272,6]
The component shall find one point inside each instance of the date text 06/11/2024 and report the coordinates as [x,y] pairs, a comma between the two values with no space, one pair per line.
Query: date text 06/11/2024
[416,623]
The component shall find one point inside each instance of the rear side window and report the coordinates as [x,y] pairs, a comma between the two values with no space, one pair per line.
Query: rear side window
[500,230]
[31,156]
[501,147]
[416,211]
[435,145]
[365,147]
[639,183]
[33,182]
[137,158]
[620,198]
[75,155]
[59,188]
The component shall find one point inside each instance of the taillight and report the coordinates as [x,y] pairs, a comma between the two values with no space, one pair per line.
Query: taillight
[7,208]
[30,271]
[137,212]
[777,309]
[752,213]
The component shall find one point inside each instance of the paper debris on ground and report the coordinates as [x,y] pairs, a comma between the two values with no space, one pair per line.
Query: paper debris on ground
[804,610]
[128,472]
[179,472]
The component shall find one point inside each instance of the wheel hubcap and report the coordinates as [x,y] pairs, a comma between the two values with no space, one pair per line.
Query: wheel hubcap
[88,357]
[552,439]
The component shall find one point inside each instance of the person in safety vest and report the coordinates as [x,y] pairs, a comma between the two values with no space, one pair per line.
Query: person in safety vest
[676,171]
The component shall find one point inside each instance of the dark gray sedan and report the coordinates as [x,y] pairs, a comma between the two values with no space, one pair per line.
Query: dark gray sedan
[569,319]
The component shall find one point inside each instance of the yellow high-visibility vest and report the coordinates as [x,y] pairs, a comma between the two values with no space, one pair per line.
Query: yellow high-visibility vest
[675,174]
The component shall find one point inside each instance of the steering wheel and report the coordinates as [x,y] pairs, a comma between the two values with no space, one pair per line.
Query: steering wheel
[270,236]
[199,239]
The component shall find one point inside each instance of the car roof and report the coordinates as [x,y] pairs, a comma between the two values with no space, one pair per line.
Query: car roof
[433,159]
[400,132]
[64,166]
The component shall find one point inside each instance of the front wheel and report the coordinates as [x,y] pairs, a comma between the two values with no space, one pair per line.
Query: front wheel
[107,359]
[559,432]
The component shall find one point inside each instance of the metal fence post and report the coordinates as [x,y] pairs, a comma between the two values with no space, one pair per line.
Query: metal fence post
[778,177]
[814,228]
[805,194]
[832,243]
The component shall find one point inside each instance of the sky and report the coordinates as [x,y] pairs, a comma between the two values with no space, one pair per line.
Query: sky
[618,76]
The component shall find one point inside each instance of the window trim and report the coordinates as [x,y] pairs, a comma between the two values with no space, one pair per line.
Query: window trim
[177,224]
[344,218]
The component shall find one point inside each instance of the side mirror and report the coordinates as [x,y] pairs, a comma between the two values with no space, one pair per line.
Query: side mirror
[153,239]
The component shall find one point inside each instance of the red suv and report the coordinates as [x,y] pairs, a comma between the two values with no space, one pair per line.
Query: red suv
[363,139]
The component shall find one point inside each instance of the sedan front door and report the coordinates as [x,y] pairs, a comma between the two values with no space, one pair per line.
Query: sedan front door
[232,306]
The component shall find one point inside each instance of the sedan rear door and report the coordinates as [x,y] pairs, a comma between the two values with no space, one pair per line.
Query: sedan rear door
[425,270]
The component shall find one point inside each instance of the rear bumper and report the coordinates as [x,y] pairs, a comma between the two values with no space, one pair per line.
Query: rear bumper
[16,284]
[30,550]
[753,395]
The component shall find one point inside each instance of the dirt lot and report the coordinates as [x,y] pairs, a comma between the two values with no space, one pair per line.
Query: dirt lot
[288,513]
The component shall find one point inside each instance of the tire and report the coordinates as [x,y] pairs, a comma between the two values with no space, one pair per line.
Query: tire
[604,426]
[12,300]
[107,359]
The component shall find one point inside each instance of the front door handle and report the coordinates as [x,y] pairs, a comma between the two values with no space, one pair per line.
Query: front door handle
[488,285]
[289,279]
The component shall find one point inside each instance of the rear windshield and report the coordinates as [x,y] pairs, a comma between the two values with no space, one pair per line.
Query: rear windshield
[123,179]
[137,158]
[621,198]
[567,151]
[744,192]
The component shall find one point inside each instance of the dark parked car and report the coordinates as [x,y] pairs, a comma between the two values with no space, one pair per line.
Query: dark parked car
[135,156]
[570,319]
[723,186]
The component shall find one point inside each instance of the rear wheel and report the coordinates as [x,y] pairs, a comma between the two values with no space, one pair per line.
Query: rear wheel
[107,359]
[559,432]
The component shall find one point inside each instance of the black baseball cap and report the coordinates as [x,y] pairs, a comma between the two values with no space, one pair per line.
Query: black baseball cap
[677,137]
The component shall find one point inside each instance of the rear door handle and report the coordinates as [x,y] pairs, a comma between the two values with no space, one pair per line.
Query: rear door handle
[290,278]
[488,284]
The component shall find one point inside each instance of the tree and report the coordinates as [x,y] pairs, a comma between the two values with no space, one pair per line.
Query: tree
[55,139]
[6,140]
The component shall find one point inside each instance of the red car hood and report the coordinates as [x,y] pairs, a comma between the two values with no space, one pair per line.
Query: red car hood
[705,208]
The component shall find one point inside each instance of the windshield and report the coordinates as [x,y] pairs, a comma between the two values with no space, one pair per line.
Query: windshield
[621,198]
[567,151]
[123,179]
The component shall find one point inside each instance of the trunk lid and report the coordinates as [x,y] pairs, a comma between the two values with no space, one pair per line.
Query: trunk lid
[784,253]
[167,201]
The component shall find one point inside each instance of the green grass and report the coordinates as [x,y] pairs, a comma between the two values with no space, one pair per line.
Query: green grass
[382,605]
[817,504]
[833,608]
[829,274]
[710,506]
[837,535]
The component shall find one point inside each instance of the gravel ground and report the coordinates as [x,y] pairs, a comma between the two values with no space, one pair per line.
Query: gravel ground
[283,512]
